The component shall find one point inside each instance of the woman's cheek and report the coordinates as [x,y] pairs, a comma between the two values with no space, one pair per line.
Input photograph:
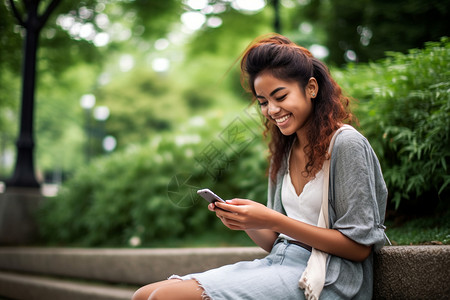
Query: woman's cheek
[265,113]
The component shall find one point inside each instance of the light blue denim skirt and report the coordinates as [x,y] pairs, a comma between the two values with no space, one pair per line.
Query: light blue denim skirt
[274,277]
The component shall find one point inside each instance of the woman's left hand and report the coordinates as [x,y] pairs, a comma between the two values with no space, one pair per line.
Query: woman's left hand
[243,214]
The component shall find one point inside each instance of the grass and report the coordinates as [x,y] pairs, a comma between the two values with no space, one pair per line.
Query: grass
[427,230]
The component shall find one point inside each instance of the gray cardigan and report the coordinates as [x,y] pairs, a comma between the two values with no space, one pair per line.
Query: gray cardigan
[357,202]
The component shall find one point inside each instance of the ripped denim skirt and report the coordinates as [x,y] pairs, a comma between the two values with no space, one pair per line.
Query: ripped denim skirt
[274,277]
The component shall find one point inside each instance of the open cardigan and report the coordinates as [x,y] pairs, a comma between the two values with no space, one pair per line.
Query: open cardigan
[357,202]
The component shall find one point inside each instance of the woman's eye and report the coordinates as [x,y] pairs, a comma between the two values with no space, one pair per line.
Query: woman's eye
[281,98]
[261,104]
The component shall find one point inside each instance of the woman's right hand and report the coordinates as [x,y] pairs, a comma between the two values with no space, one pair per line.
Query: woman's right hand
[262,237]
[244,214]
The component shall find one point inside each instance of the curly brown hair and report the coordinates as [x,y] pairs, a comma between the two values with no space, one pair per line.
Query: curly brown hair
[288,61]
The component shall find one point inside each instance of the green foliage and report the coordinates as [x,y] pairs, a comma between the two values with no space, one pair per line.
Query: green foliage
[59,119]
[148,192]
[405,112]
[224,41]
[10,41]
[139,102]
[425,230]
[9,86]
[372,27]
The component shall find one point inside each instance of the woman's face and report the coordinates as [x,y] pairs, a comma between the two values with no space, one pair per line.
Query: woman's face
[284,103]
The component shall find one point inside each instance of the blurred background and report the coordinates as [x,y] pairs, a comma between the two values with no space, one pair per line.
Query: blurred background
[139,103]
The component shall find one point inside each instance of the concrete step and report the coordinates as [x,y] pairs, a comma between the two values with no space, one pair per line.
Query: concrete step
[48,273]
[129,266]
[400,272]
[32,287]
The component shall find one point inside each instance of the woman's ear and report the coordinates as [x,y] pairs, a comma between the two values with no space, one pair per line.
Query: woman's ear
[312,88]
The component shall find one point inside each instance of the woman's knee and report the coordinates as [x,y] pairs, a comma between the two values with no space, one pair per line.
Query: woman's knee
[188,289]
[141,294]
[144,292]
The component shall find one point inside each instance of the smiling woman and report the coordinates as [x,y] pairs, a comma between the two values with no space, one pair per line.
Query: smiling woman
[323,201]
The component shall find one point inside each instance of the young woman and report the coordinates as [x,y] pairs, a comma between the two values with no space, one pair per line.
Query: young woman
[303,109]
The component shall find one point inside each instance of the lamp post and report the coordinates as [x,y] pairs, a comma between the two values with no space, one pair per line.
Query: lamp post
[87,102]
[33,22]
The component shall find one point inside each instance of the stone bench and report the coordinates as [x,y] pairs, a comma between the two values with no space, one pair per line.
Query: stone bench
[401,272]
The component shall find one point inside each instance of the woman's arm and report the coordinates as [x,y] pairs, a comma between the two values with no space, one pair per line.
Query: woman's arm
[327,240]
[264,238]
[241,214]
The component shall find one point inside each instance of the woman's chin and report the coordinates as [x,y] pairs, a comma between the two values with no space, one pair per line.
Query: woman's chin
[286,131]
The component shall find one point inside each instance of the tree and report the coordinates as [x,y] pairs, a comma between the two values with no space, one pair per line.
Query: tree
[365,30]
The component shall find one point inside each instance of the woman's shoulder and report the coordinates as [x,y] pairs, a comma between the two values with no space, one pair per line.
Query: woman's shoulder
[351,141]
[350,136]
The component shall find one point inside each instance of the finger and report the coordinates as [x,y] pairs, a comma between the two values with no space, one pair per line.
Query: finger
[227,207]
[238,201]
[228,223]
[233,225]
[220,211]
[233,222]
[227,217]
[218,214]
[214,207]
[232,216]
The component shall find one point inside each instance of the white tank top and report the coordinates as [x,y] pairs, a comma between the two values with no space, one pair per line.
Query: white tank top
[306,206]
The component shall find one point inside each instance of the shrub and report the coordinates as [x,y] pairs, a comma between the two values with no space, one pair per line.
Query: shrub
[404,110]
[146,195]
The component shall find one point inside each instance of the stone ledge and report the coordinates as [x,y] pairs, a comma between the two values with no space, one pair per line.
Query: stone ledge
[400,272]
[20,286]
[412,272]
[131,266]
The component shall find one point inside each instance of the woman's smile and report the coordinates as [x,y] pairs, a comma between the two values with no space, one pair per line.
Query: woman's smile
[282,119]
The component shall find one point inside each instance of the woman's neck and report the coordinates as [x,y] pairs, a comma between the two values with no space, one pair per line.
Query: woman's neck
[302,138]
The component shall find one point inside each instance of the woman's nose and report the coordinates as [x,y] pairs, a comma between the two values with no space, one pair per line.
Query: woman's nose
[273,109]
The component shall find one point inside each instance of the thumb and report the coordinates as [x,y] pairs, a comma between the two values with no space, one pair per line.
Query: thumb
[238,201]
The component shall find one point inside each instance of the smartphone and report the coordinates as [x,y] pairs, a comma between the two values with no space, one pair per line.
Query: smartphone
[209,196]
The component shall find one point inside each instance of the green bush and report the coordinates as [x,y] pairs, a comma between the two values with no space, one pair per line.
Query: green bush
[404,110]
[147,194]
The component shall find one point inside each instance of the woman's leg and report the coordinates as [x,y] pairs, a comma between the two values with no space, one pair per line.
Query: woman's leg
[144,292]
[170,289]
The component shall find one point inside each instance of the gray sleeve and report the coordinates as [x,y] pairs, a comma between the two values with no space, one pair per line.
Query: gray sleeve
[271,193]
[274,190]
[357,190]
